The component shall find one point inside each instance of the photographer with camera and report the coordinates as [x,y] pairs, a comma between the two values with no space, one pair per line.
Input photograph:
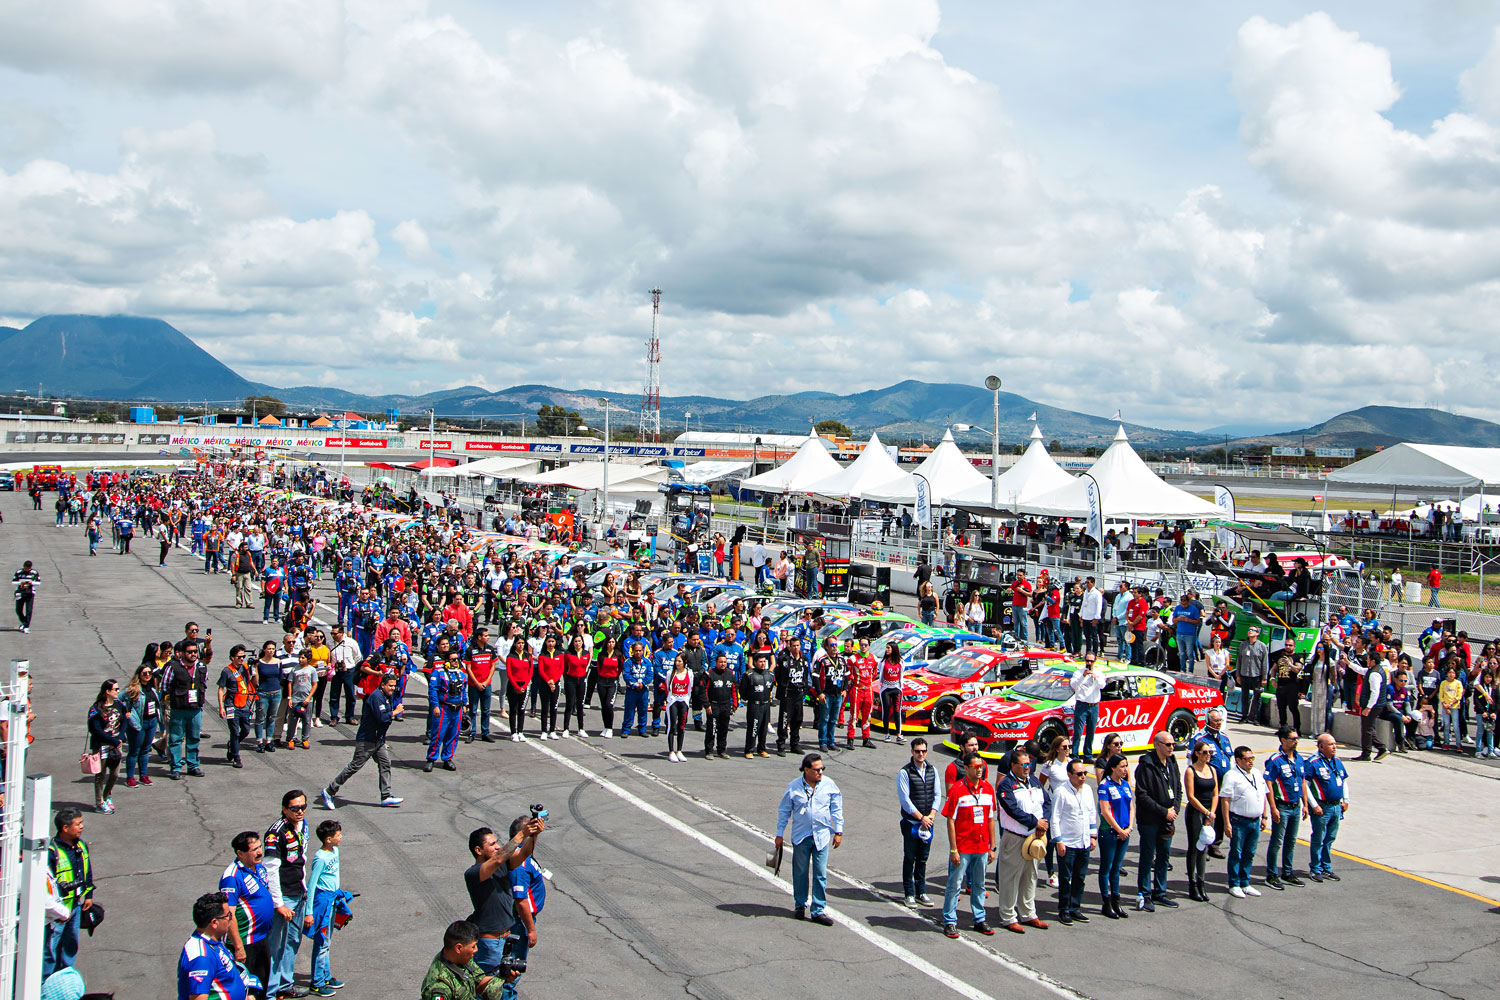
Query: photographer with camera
[528,890]
[488,882]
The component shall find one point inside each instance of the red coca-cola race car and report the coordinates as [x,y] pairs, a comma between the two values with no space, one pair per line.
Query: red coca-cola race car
[1138,703]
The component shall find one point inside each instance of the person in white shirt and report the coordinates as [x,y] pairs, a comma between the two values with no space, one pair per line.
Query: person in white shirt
[1091,613]
[1397,583]
[1245,800]
[1088,688]
[1075,824]
[759,559]
[345,656]
[974,612]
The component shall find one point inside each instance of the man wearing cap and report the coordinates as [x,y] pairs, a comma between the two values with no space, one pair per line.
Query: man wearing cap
[972,842]
[1024,807]
[1252,664]
[1139,613]
[1020,600]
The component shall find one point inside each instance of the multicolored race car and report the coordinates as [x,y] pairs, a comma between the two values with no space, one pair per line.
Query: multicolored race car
[1138,702]
[932,692]
[927,643]
[862,624]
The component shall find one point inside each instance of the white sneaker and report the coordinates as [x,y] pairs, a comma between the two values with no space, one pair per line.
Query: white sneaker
[1052,881]
[1250,890]
[672,756]
[521,737]
[607,734]
[515,737]
[317,723]
[1237,892]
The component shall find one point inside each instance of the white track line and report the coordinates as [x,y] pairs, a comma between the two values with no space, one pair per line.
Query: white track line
[760,871]
[1010,965]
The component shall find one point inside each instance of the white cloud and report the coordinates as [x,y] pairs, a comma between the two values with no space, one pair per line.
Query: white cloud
[827,200]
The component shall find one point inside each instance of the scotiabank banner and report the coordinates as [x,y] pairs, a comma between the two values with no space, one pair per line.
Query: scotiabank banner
[496,446]
[427,444]
[356,443]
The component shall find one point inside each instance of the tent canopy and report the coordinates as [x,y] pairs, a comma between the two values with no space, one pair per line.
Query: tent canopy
[1033,475]
[947,472]
[809,465]
[707,472]
[1433,465]
[873,473]
[590,476]
[1127,490]
[439,461]
[502,466]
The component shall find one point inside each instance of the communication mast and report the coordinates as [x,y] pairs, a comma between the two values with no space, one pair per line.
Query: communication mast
[650,427]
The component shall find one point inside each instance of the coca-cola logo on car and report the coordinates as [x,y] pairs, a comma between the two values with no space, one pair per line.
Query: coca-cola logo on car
[990,709]
[1194,693]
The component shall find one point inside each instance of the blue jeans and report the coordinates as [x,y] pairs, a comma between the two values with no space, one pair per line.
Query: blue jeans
[1284,840]
[1122,648]
[61,948]
[286,936]
[971,868]
[1072,869]
[1325,830]
[1485,740]
[1187,651]
[517,947]
[182,734]
[479,709]
[491,950]
[635,709]
[343,681]
[1244,835]
[266,707]
[1018,622]
[1155,851]
[270,607]
[807,861]
[1452,733]
[138,749]
[322,970]
[1432,601]
[828,718]
[1085,714]
[1111,860]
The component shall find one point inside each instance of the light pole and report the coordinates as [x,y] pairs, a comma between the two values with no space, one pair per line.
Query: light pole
[606,517]
[992,383]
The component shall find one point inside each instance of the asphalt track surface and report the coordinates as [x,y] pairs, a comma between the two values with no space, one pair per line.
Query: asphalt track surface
[659,886]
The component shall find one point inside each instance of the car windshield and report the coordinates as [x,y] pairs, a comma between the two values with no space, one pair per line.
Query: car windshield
[908,643]
[957,665]
[1049,683]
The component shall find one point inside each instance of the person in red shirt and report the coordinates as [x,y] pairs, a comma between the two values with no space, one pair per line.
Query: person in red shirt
[1020,600]
[1136,612]
[606,679]
[575,675]
[549,674]
[973,839]
[891,711]
[955,769]
[861,686]
[457,611]
[518,670]
[479,664]
[1435,585]
[395,625]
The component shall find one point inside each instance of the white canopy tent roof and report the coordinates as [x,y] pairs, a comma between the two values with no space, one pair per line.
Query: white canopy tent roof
[1127,490]
[1470,506]
[810,464]
[700,473]
[1033,475]
[590,476]
[874,472]
[1432,465]
[501,466]
[947,472]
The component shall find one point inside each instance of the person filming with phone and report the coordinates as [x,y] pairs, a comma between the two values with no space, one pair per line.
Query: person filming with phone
[528,889]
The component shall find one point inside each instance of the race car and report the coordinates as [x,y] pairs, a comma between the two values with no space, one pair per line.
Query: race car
[931,692]
[862,624]
[927,643]
[1138,702]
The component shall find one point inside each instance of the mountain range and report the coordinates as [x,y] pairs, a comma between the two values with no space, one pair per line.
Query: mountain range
[140,359]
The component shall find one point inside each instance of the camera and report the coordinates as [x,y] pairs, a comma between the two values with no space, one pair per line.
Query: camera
[538,811]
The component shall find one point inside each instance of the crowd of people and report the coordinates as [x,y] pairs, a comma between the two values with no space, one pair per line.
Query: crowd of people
[374,610]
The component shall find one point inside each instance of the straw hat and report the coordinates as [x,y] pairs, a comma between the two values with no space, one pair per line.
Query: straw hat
[1034,846]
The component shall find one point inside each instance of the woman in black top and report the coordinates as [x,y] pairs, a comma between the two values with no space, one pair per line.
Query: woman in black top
[107,739]
[1201,792]
[143,716]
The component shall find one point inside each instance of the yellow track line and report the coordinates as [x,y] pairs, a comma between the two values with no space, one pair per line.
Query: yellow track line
[1415,878]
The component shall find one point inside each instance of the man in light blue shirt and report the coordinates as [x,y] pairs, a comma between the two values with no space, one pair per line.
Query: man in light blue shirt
[815,807]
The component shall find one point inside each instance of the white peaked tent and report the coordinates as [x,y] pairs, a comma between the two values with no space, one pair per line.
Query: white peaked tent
[502,467]
[947,472]
[1127,490]
[873,472]
[810,464]
[1033,475]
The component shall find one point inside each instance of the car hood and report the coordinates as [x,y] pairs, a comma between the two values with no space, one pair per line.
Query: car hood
[992,709]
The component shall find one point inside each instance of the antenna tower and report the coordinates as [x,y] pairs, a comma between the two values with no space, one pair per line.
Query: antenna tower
[650,427]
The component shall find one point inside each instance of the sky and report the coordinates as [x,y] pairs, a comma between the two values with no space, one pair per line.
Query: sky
[1192,213]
